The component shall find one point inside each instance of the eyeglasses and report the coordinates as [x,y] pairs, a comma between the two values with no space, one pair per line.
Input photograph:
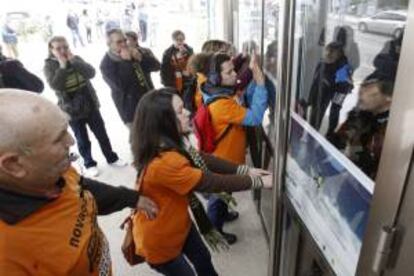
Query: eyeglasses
[62,48]
[121,41]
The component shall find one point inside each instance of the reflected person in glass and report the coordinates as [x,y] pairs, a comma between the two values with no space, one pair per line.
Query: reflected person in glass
[332,82]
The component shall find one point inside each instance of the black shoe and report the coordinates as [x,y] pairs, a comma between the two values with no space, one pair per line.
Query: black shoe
[230,238]
[231,216]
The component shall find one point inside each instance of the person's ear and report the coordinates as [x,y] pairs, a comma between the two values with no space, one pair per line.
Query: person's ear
[10,164]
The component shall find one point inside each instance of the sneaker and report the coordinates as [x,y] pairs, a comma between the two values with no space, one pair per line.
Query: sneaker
[91,171]
[231,216]
[230,238]
[119,163]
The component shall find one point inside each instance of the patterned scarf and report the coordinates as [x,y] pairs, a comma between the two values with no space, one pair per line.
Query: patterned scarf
[213,238]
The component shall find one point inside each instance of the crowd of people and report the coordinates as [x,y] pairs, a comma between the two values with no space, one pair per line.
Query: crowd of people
[94,25]
[39,187]
[46,203]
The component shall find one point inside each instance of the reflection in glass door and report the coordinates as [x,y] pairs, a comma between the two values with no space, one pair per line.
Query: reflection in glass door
[344,69]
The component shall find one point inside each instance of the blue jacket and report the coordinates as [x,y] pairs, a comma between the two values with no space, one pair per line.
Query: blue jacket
[256,96]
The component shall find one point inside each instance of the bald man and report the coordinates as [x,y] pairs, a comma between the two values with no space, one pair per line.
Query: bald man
[48,213]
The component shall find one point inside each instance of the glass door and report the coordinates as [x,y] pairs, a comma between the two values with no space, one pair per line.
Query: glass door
[343,71]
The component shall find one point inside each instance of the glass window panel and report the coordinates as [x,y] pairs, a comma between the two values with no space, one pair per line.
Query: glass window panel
[250,24]
[344,65]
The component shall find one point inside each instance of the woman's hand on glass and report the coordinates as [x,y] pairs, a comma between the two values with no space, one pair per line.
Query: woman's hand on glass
[258,172]
[257,72]
[267,181]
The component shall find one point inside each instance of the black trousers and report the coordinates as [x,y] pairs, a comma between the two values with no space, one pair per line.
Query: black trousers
[97,126]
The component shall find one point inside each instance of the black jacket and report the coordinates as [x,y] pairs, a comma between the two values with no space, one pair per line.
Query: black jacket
[167,71]
[14,75]
[77,106]
[328,79]
[126,88]
[149,63]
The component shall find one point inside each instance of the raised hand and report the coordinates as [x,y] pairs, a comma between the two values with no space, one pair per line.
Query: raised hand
[62,59]
[136,54]
[125,54]
[257,72]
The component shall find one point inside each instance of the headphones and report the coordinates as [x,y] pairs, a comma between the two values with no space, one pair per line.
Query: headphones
[213,77]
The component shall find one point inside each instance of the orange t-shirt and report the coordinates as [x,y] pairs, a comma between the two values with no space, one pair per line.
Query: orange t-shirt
[233,146]
[61,238]
[167,180]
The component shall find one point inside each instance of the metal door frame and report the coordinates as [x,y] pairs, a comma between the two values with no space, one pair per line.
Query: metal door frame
[396,154]
[285,57]
[400,262]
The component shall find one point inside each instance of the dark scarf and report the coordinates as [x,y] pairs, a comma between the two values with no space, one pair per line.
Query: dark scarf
[212,91]
[15,207]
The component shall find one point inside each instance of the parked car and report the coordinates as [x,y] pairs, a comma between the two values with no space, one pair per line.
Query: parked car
[386,22]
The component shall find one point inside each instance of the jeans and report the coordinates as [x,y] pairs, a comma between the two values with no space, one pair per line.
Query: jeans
[76,36]
[89,34]
[97,126]
[334,117]
[196,252]
[217,211]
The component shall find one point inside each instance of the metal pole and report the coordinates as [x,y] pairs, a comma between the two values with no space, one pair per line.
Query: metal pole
[209,19]
[285,54]
[228,20]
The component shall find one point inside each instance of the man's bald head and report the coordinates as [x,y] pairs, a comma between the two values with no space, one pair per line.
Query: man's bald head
[24,119]
[34,143]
